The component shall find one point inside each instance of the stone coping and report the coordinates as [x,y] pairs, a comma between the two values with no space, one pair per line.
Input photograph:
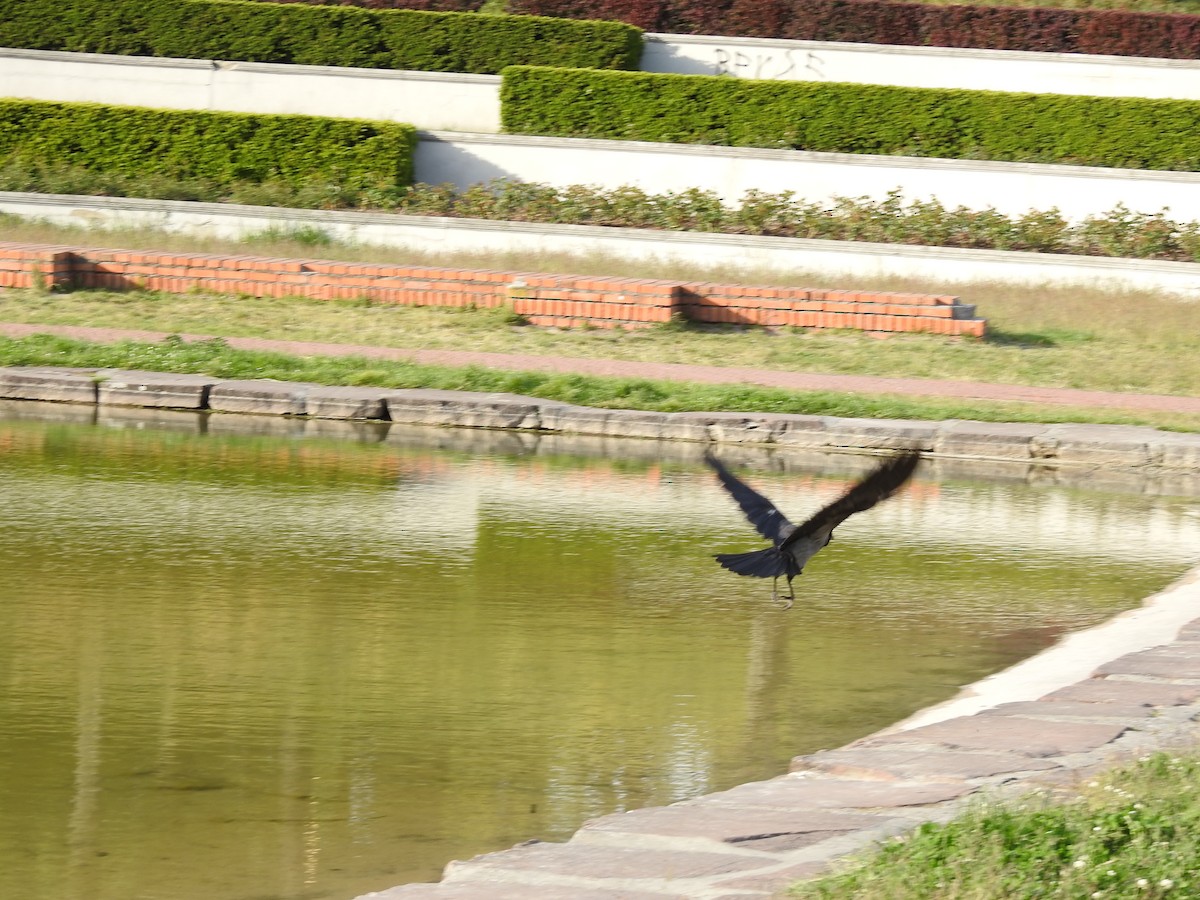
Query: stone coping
[1106,450]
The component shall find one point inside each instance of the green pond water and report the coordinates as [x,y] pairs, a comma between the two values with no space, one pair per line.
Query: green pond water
[311,663]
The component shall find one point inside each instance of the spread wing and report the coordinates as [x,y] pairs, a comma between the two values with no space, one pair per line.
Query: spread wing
[879,485]
[770,522]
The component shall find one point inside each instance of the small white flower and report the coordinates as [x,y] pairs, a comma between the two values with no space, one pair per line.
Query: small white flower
[1096,895]
[1166,884]
[1143,883]
[1078,864]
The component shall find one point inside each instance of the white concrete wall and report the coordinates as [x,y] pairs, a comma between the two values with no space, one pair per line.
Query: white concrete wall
[936,67]
[1011,188]
[844,259]
[424,99]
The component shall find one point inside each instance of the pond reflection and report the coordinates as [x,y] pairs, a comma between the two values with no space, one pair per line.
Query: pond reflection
[241,665]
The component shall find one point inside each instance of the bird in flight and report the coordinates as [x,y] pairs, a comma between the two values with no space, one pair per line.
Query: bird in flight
[795,545]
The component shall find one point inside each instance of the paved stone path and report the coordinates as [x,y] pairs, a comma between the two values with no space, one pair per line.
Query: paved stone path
[796,381]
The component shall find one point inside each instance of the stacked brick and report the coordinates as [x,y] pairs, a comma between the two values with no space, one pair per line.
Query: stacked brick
[545,300]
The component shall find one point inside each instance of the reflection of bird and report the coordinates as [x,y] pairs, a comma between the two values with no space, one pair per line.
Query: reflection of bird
[796,545]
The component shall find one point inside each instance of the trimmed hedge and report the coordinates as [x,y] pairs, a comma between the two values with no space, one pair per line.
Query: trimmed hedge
[1124,132]
[1099,31]
[431,5]
[315,35]
[222,148]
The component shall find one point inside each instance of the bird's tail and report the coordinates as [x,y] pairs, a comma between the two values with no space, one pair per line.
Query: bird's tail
[767,563]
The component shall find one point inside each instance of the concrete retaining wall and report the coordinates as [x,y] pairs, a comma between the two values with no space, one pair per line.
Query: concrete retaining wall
[1011,188]
[547,300]
[447,103]
[844,259]
[435,100]
[937,67]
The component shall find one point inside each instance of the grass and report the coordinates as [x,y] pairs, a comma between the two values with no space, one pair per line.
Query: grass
[215,357]
[1133,832]
[1082,338]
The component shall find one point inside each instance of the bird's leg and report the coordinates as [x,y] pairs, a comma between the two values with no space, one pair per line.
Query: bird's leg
[775,590]
[790,598]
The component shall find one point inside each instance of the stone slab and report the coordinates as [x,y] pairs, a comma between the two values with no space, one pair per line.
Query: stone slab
[498,890]
[261,396]
[776,881]
[725,428]
[347,402]
[1029,737]
[583,860]
[804,432]
[132,387]
[465,409]
[1158,663]
[894,763]
[994,440]
[880,434]
[47,383]
[1180,451]
[804,791]
[1070,709]
[1099,445]
[730,823]
[1143,693]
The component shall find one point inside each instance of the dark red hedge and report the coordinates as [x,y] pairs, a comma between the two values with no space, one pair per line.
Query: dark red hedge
[1106,32]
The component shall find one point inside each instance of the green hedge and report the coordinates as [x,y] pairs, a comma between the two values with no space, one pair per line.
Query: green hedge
[222,148]
[853,118]
[315,35]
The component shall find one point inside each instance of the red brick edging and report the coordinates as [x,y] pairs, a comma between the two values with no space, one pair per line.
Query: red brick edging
[542,299]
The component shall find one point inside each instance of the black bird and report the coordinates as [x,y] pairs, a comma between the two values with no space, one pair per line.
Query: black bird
[796,545]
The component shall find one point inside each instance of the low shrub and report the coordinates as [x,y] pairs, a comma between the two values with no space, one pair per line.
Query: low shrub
[206,150]
[1127,132]
[315,35]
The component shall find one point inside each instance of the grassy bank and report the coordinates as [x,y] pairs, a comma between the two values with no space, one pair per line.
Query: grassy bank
[1131,833]
[1053,337]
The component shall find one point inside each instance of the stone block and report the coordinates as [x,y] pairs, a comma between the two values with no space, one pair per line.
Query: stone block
[48,384]
[1179,451]
[261,396]
[464,409]
[1029,737]
[894,763]
[1145,693]
[993,440]
[1070,709]
[727,822]
[880,434]
[725,428]
[802,432]
[1099,445]
[583,860]
[499,890]
[346,402]
[803,791]
[127,387]
[1161,662]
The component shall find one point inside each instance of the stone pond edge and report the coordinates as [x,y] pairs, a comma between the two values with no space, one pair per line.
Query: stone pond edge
[1139,449]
